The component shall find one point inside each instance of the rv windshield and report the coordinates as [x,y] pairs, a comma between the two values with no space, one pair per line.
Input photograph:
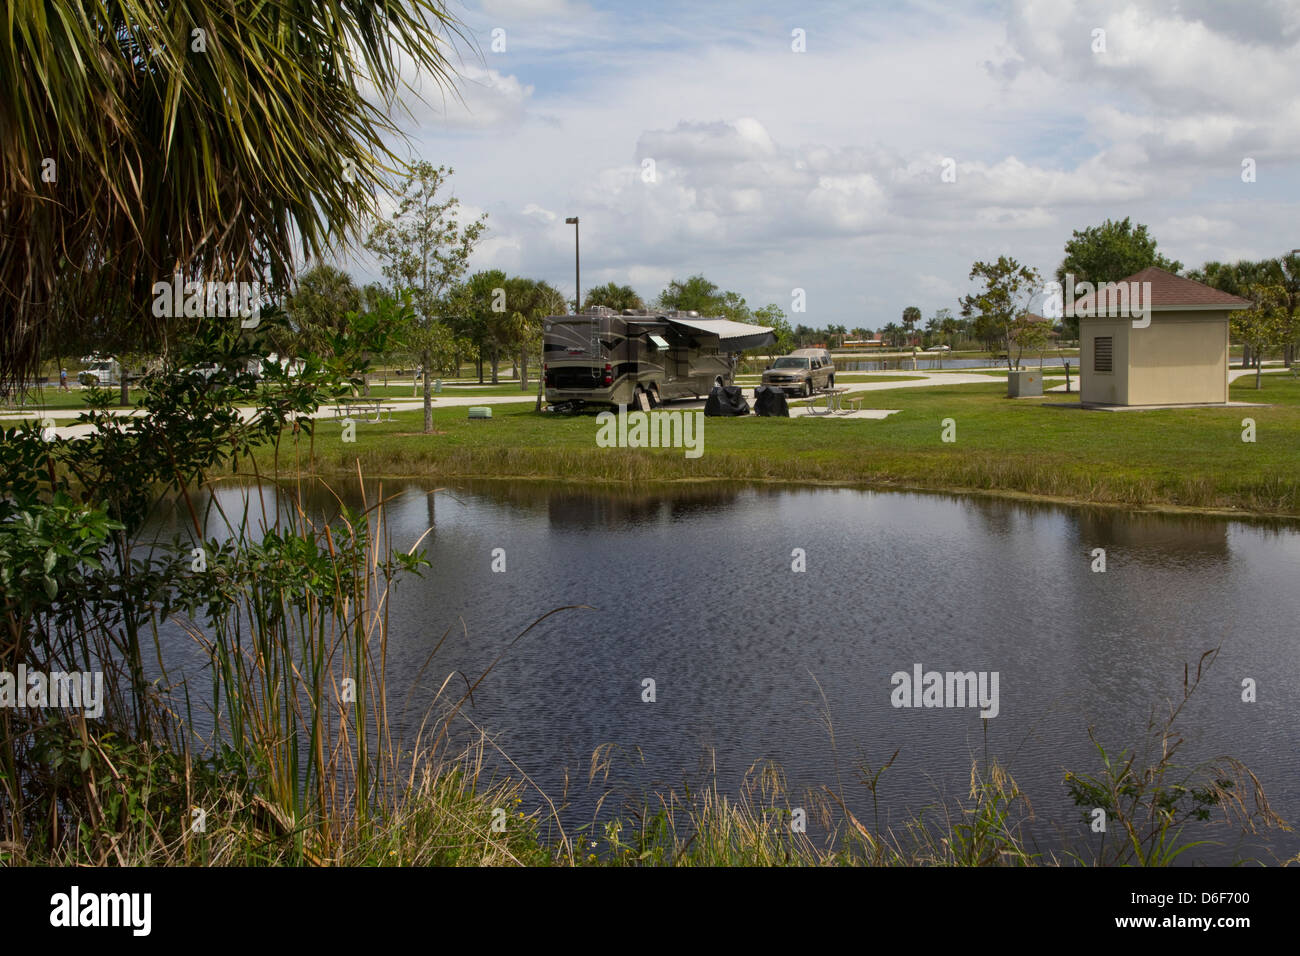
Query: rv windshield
[791,362]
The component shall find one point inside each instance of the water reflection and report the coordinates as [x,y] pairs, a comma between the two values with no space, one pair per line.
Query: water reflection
[696,586]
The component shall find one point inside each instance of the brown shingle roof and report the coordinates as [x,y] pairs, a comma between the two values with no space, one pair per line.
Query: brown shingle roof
[1169,291]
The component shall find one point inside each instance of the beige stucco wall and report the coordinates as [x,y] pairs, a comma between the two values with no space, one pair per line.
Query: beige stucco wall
[1180,358]
[1107,388]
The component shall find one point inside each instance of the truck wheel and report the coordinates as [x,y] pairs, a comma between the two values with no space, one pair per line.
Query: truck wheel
[807,389]
[832,382]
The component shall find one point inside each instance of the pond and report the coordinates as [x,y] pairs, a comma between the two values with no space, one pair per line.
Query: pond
[697,590]
[924,362]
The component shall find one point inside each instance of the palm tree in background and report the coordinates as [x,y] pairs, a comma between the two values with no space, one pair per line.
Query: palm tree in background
[615,296]
[530,301]
[1245,278]
[317,309]
[215,139]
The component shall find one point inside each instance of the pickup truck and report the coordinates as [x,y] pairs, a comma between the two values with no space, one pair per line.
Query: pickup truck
[802,372]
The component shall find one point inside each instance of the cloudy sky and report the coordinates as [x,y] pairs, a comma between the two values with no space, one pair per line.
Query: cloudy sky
[692,137]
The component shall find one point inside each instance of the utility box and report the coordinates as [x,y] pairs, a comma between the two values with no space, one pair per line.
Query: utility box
[485,411]
[1024,383]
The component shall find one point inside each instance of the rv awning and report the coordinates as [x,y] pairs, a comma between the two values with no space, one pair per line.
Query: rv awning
[732,336]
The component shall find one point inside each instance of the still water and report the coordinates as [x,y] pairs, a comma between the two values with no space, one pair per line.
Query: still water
[924,362]
[695,590]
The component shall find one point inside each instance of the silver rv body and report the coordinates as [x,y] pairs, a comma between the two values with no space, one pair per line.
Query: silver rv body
[601,357]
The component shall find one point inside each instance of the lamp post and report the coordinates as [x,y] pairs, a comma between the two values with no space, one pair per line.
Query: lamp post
[577,275]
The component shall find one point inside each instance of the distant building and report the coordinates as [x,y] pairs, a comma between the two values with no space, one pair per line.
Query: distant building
[1051,323]
[876,341]
[1154,338]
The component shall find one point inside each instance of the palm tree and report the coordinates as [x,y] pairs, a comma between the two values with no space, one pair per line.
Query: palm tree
[1240,278]
[531,300]
[911,317]
[318,308]
[615,296]
[211,139]
[1286,279]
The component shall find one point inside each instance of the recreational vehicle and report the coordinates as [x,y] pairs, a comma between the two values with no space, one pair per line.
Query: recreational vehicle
[640,358]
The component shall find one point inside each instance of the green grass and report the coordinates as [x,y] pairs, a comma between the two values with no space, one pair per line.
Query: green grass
[843,378]
[452,387]
[51,397]
[1191,458]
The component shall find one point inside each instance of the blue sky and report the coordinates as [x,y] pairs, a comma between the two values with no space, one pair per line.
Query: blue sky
[821,170]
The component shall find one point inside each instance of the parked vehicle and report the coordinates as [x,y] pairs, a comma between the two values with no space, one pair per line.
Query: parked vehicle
[802,372]
[640,358]
[101,373]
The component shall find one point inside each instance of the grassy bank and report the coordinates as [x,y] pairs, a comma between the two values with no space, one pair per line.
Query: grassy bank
[1189,458]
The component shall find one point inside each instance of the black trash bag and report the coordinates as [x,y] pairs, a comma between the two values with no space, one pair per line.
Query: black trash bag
[771,402]
[726,401]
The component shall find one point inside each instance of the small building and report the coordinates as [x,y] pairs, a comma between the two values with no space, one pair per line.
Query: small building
[1154,338]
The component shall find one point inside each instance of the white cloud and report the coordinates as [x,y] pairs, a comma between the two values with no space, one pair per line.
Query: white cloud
[534,9]
[822,170]
[534,211]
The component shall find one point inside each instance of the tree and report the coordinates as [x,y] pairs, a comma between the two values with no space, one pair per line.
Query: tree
[773,316]
[1284,275]
[1264,325]
[317,309]
[698,294]
[1007,289]
[1242,278]
[1108,253]
[374,297]
[128,155]
[941,326]
[732,306]
[695,294]
[1029,335]
[495,326]
[529,301]
[614,296]
[911,316]
[425,249]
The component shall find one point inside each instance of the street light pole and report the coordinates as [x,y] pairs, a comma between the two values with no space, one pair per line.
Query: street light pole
[577,275]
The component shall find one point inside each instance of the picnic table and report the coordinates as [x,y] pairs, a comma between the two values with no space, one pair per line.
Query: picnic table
[371,407]
[834,400]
